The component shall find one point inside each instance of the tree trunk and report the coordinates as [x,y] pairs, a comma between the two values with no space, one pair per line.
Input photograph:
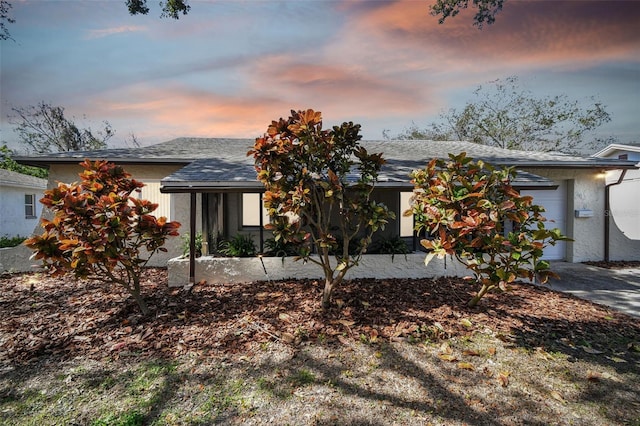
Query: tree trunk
[327,293]
[483,290]
[136,293]
[142,304]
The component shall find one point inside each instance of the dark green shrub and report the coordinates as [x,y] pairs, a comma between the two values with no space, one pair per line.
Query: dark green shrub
[239,246]
[186,241]
[7,241]
[280,248]
[392,246]
[355,246]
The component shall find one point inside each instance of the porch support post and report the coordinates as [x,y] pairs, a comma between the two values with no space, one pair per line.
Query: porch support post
[192,240]
[261,225]
[414,236]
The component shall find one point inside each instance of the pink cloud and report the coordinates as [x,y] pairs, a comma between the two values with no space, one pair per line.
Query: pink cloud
[392,61]
[105,32]
[176,111]
[158,114]
[338,86]
[525,33]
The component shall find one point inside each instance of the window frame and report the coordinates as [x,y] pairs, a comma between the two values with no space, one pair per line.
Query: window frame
[255,222]
[30,206]
[403,222]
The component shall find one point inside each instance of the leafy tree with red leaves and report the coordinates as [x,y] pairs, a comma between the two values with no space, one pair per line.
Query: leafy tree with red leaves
[99,230]
[471,211]
[318,191]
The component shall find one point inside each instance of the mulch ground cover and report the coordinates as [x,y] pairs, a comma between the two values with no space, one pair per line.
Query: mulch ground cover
[63,318]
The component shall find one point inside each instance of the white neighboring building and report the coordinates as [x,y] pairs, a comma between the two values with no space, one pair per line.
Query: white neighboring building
[624,199]
[20,207]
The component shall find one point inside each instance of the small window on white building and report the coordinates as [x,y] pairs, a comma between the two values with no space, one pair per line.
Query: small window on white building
[30,206]
[251,209]
[406,222]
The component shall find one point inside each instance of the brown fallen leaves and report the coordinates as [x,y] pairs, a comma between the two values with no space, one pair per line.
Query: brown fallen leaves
[44,316]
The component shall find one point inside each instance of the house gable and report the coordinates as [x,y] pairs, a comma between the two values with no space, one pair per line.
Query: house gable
[621,152]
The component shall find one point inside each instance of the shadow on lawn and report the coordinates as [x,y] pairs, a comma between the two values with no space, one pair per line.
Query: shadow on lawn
[321,378]
[346,389]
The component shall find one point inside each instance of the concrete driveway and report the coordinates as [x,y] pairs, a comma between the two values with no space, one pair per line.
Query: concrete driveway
[617,288]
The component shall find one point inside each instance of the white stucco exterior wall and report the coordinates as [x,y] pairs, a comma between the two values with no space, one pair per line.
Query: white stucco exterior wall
[621,247]
[624,204]
[180,211]
[13,221]
[585,191]
[625,216]
[17,259]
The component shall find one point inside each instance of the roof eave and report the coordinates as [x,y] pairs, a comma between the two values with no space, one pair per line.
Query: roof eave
[23,185]
[618,165]
[171,187]
[46,162]
[174,187]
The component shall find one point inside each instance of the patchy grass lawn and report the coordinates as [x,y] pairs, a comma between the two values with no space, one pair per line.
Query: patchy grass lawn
[262,354]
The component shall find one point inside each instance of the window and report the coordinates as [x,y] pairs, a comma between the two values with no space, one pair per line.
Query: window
[406,222]
[30,206]
[251,208]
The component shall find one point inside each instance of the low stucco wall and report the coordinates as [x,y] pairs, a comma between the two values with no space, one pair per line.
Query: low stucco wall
[220,270]
[17,259]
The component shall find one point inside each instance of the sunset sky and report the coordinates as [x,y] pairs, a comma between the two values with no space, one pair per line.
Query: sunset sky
[230,67]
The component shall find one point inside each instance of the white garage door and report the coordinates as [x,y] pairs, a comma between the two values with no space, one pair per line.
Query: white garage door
[555,204]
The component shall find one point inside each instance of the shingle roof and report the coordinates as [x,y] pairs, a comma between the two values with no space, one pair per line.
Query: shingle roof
[223,162]
[179,151]
[186,150]
[218,172]
[10,178]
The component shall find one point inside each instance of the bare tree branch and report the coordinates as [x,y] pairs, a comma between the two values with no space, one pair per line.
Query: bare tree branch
[44,128]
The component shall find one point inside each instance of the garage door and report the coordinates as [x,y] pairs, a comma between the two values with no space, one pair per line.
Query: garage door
[555,204]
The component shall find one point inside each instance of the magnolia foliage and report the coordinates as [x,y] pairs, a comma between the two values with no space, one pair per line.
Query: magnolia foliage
[99,230]
[470,210]
[318,191]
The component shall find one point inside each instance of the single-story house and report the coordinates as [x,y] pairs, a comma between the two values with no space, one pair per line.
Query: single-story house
[210,186]
[20,208]
[621,204]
